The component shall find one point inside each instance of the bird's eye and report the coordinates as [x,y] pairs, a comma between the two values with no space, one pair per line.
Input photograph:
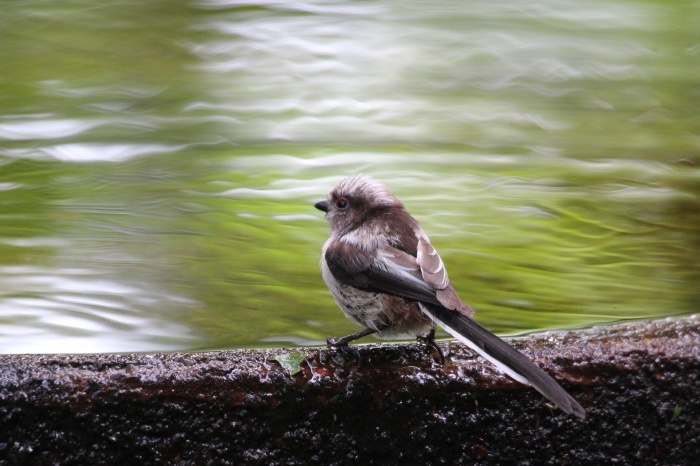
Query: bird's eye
[341,203]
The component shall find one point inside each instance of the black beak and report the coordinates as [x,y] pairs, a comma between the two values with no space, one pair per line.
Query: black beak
[322,205]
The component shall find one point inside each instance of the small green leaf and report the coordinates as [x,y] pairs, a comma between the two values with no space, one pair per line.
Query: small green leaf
[676,412]
[290,361]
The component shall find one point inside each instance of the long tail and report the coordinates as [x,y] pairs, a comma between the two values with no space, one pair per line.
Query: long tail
[503,356]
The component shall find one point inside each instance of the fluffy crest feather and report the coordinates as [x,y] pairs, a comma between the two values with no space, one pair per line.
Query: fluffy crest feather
[365,187]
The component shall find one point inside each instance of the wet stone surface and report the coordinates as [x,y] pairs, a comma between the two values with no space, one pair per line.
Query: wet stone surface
[640,385]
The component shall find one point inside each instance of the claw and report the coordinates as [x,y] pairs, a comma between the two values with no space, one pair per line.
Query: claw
[429,340]
[342,346]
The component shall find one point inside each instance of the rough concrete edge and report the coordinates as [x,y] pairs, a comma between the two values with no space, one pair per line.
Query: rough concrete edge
[614,370]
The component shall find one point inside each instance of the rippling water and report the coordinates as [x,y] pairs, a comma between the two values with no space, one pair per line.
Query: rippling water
[159,162]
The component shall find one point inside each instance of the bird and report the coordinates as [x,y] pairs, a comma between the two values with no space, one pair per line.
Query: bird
[385,275]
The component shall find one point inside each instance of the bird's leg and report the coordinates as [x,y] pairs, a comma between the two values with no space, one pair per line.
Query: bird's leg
[341,344]
[429,340]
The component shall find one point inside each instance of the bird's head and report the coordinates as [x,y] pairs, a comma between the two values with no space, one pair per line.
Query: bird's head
[354,201]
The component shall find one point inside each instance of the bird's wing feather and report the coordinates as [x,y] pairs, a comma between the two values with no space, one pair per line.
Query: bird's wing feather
[391,270]
[431,265]
[387,270]
[434,273]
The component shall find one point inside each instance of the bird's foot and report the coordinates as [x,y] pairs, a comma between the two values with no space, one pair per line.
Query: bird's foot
[341,344]
[429,340]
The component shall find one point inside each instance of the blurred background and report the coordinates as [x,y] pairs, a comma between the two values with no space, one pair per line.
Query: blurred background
[159,161]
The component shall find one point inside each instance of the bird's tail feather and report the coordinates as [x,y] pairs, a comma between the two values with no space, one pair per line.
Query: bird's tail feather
[503,356]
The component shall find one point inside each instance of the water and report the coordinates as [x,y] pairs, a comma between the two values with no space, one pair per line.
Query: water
[159,162]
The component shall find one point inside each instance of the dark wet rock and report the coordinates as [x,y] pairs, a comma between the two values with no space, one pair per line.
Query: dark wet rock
[639,383]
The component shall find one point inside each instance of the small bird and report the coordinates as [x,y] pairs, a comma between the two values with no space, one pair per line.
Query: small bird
[385,275]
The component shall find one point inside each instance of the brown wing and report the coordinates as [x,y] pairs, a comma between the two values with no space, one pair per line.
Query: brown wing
[395,271]
[388,270]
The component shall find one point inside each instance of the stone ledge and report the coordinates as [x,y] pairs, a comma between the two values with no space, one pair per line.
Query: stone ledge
[640,384]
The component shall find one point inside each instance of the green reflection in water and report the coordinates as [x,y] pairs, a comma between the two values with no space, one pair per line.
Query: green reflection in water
[159,161]
[530,246]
